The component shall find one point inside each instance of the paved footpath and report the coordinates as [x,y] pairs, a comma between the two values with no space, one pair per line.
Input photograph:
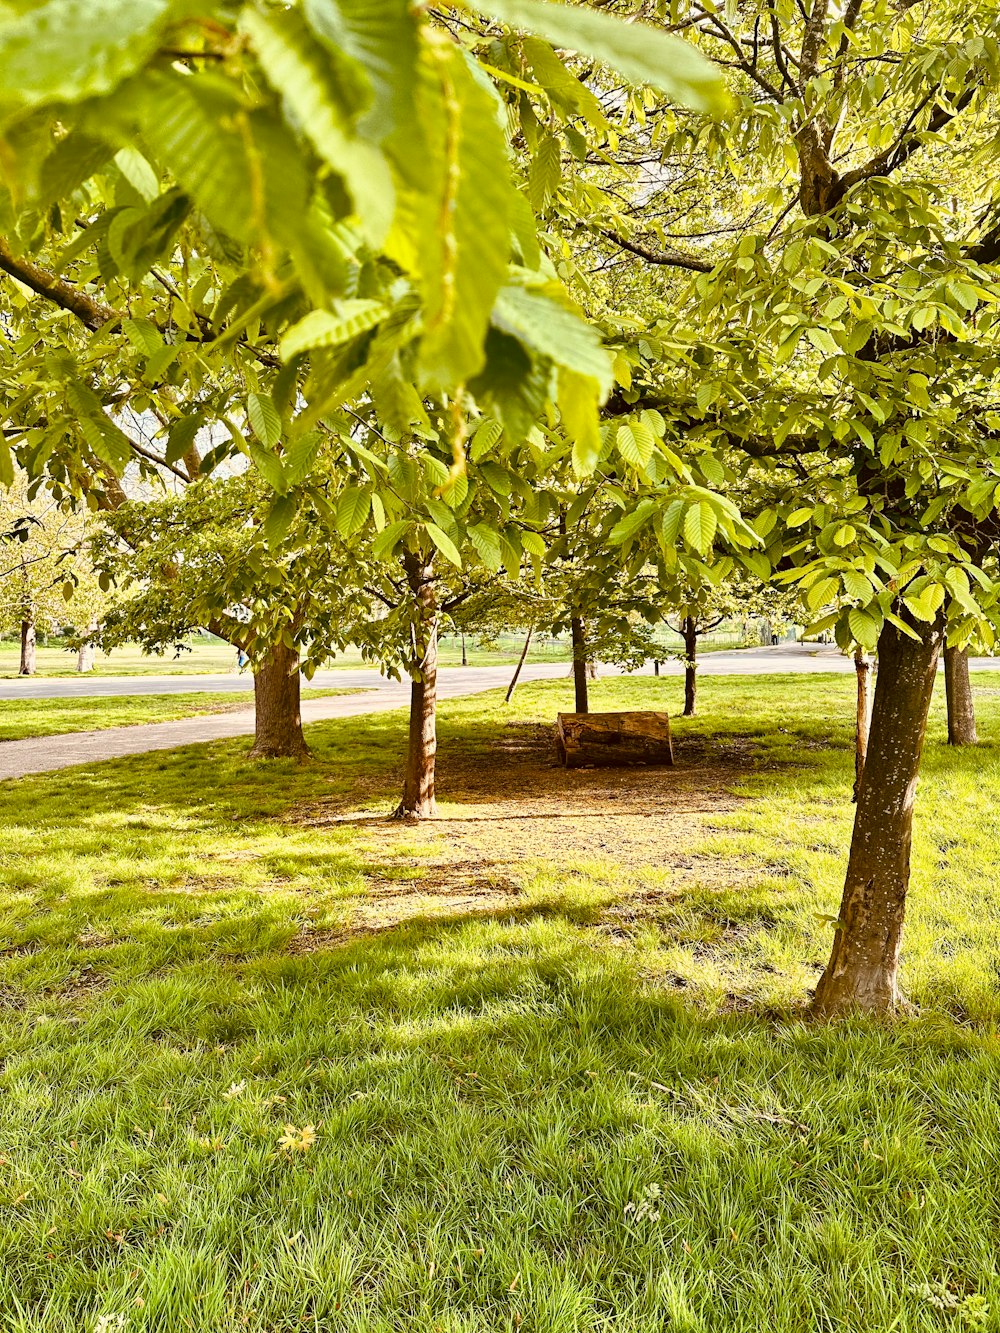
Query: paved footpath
[43,754]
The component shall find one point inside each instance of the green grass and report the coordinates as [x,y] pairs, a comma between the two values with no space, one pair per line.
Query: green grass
[521,1123]
[21,718]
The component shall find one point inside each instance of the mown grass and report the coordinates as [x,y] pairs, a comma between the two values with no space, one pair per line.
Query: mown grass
[21,718]
[520,1123]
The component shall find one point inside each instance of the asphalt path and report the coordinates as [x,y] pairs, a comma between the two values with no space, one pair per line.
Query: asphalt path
[44,754]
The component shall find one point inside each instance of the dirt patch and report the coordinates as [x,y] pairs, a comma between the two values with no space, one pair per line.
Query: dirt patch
[508,813]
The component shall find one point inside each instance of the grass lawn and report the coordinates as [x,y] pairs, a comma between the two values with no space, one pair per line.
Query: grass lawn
[20,718]
[269,1062]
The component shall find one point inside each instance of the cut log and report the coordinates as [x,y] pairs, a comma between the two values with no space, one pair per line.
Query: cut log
[613,740]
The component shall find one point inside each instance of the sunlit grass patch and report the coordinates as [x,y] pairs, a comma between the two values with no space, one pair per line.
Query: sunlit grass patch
[265,1064]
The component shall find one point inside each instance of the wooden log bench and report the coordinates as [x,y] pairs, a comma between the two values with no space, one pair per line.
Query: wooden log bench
[611,740]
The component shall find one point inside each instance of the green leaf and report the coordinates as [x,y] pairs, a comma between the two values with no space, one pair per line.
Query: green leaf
[381,36]
[700,523]
[487,434]
[821,592]
[325,328]
[635,443]
[181,436]
[278,520]
[353,509]
[925,604]
[632,522]
[264,419]
[385,543]
[578,404]
[300,71]
[541,319]
[300,454]
[68,50]
[638,51]
[443,543]
[487,544]
[459,215]
[864,627]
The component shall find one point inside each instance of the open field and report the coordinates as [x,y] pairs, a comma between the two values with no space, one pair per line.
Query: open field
[270,1062]
[20,718]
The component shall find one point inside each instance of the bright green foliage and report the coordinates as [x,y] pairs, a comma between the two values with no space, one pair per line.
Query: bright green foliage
[317,202]
[810,291]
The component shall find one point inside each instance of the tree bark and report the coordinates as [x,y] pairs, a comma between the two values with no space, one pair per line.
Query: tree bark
[612,740]
[277,701]
[690,665]
[465,660]
[418,801]
[85,657]
[863,969]
[579,636]
[520,664]
[27,647]
[863,668]
[958,689]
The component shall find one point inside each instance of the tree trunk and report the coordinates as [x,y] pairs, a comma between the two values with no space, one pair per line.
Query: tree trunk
[520,664]
[863,969]
[27,647]
[421,754]
[465,660]
[85,657]
[690,665]
[863,667]
[958,689]
[580,665]
[276,697]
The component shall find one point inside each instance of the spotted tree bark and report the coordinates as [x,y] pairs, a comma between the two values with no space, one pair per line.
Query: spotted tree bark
[863,668]
[418,800]
[27,667]
[580,690]
[958,690]
[863,969]
[690,633]
[278,706]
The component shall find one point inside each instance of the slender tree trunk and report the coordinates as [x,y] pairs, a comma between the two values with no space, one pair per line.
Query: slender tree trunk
[656,667]
[863,969]
[421,754]
[27,647]
[690,665]
[958,689]
[863,668]
[465,660]
[276,698]
[520,664]
[579,635]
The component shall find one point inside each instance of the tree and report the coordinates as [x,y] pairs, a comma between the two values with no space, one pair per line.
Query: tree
[830,330]
[47,579]
[210,557]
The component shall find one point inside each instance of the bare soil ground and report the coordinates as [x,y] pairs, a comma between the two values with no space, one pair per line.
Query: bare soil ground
[509,813]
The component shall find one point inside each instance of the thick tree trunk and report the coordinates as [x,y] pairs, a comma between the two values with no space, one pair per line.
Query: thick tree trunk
[690,665]
[27,648]
[863,969]
[579,635]
[85,657]
[520,664]
[421,753]
[276,698]
[958,689]
[863,667]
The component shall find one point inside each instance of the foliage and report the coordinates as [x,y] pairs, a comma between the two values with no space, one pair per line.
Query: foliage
[47,576]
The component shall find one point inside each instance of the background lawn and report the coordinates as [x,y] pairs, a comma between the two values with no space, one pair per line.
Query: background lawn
[558,1080]
[20,718]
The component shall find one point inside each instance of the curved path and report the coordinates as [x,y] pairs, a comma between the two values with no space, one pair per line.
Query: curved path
[43,754]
